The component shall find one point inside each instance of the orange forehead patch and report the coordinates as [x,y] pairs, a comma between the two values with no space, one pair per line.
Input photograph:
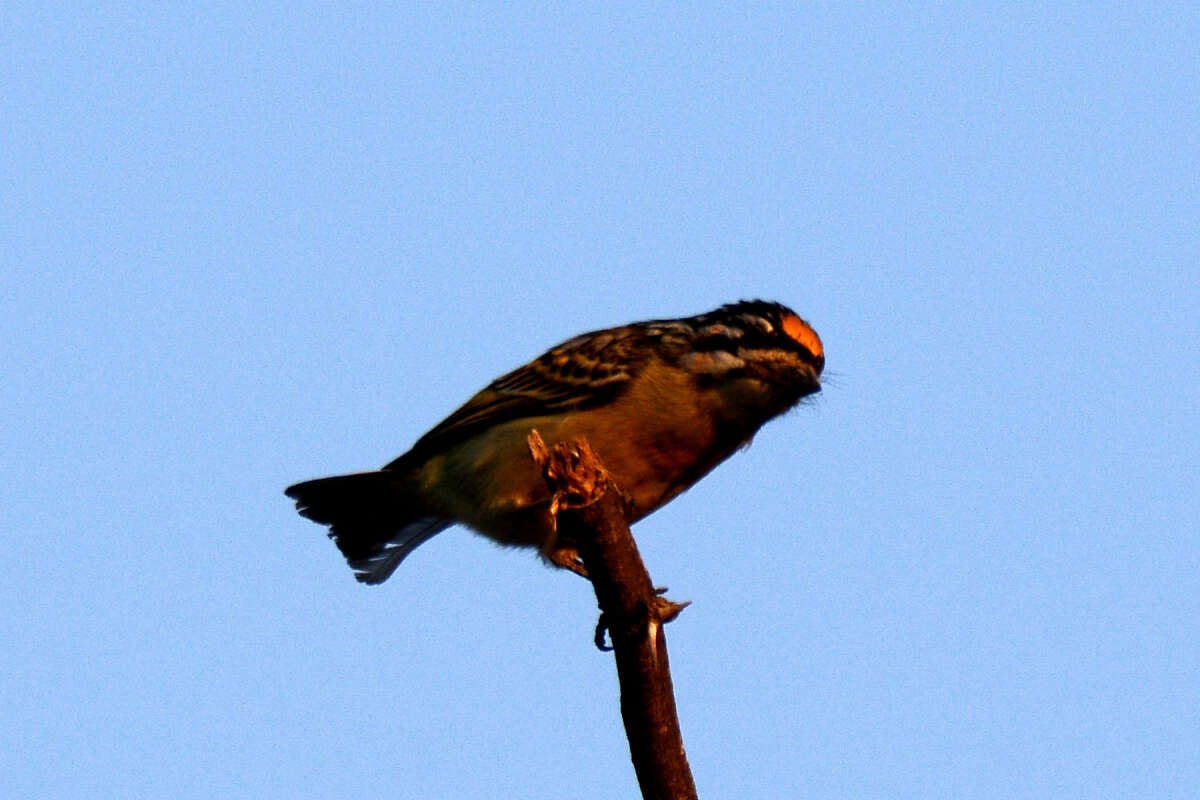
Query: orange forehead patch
[799,331]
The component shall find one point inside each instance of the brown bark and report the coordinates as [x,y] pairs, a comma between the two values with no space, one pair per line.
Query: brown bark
[591,513]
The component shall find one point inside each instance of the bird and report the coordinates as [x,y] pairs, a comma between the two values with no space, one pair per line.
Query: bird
[661,403]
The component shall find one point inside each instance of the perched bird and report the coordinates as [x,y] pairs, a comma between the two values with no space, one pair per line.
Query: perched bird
[661,403]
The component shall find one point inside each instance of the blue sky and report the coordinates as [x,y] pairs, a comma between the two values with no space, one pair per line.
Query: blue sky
[244,247]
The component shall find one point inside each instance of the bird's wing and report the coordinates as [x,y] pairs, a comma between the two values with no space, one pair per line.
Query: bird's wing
[583,372]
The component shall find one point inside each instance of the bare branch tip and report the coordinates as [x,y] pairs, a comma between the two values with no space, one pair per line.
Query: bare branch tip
[667,610]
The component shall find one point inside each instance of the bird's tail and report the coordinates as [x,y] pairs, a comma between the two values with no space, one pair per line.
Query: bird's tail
[374,517]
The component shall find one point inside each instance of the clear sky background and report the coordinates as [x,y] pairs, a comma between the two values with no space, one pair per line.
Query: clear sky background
[242,248]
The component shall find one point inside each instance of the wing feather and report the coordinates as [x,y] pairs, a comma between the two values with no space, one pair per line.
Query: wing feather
[586,371]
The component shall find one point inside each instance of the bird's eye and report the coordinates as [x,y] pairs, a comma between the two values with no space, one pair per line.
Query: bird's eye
[758,324]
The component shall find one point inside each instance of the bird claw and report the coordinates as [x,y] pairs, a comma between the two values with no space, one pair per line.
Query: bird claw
[601,634]
[568,559]
[661,610]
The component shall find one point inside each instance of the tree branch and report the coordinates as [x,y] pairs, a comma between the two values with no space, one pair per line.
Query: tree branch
[590,512]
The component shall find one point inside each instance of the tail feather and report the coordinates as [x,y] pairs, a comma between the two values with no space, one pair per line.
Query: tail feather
[373,520]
